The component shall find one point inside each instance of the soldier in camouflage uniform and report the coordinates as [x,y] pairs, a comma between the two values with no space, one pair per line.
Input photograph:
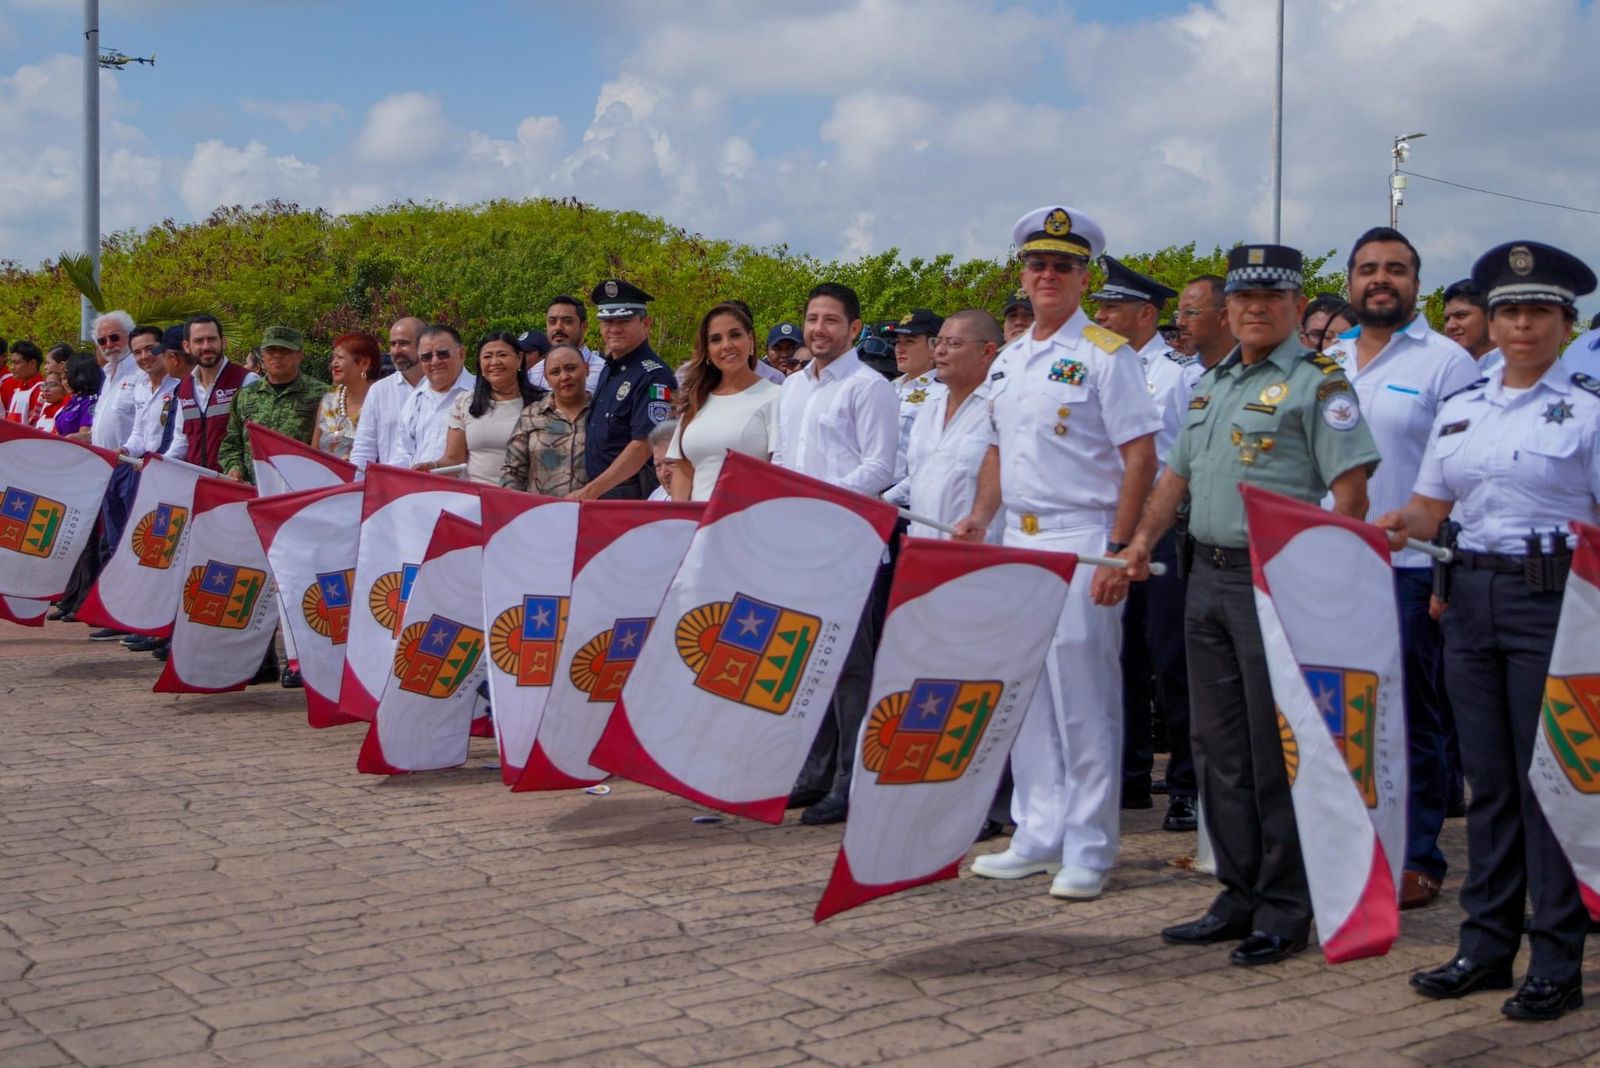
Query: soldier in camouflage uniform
[285,401]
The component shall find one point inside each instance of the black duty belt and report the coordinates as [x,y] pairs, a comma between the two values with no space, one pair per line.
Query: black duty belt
[1502,563]
[1220,557]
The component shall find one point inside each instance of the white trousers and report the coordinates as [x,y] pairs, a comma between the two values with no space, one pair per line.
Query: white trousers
[1067,759]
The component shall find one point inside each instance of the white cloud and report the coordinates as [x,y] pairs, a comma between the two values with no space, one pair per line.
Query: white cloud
[298,115]
[220,174]
[404,129]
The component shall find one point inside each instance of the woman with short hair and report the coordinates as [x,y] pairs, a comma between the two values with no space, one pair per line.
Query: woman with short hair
[353,368]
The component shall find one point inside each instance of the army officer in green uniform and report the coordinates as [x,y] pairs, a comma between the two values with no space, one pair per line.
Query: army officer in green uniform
[1276,415]
[283,400]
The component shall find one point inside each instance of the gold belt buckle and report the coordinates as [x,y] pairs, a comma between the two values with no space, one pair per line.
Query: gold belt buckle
[1030,523]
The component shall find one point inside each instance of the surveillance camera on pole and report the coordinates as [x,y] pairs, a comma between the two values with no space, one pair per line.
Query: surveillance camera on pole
[1400,153]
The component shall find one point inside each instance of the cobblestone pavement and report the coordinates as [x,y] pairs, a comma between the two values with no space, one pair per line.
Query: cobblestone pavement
[206,881]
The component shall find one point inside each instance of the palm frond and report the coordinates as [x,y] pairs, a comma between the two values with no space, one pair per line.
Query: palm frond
[173,310]
[80,272]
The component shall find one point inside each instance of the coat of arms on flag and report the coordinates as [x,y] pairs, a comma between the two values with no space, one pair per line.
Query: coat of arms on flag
[326,605]
[389,595]
[601,667]
[525,639]
[1571,717]
[157,533]
[433,658]
[928,733]
[30,523]
[223,595]
[748,651]
[1348,701]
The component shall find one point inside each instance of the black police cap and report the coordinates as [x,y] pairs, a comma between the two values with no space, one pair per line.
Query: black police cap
[1527,272]
[1125,283]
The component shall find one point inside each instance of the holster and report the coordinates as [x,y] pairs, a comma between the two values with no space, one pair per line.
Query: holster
[1449,531]
[1185,548]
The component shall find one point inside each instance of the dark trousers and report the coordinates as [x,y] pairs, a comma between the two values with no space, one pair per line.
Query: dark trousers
[1238,754]
[1155,674]
[1497,640]
[1422,650]
[115,506]
[831,762]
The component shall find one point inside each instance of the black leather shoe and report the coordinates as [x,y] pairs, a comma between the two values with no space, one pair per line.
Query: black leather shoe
[1133,799]
[1460,977]
[1263,948]
[291,679]
[268,672]
[56,613]
[1543,999]
[802,797]
[1181,814]
[990,829]
[831,809]
[143,645]
[1205,931]
[161,653]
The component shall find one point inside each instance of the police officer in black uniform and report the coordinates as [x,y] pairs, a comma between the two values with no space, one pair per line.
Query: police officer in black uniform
[633,395]
[1516,457]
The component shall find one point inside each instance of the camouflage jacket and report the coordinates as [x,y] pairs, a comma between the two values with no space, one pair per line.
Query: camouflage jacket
[290,410]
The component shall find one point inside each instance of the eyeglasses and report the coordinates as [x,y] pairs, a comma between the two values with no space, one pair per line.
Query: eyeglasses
[436,354]
[1194,313]
[1060,264]
[109,339]
[955,344]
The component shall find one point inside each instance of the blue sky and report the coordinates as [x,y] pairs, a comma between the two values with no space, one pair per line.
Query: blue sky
[838,127]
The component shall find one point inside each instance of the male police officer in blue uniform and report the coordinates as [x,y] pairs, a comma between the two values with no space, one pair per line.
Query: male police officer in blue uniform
[633,395]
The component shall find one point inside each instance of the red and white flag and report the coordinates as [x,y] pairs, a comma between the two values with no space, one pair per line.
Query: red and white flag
[23,610]
[398,511]
[1341,710]
[50,493]
[1565,772]
[730,690]
[424,718]
[286,465]
[138,589]
[627,553]
[529,545]
[311,553]
[228,609]
[963,643]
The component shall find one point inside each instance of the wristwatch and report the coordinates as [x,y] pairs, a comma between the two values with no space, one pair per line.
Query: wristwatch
[1115,547]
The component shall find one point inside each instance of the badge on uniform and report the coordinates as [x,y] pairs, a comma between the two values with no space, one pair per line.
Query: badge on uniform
[1453,428]
[1061,416]
[1275,394]
[1558,412]
[1198,403]
[1329,388]
[1070,372]
[916,396]
[623,390]
[1341,412]
[661,393]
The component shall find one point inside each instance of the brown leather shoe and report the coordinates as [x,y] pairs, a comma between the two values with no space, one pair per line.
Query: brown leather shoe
[1417,890]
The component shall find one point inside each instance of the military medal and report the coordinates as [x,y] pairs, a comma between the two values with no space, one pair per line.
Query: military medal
[1247,455]
[1061,414]
[1275,393]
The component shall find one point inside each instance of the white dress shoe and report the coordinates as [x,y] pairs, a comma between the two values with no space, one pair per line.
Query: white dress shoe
[1011,865]
[1081,884]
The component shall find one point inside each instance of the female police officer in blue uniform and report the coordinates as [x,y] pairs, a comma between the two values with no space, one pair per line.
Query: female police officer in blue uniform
[1517,455]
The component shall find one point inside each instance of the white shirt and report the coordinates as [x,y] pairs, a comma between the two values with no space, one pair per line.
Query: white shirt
[1580,357]
[378,431]
[913,392]
[114,408]
[1494,358]
[1515,462]
[944,458]
[152,415]
[745,422]
[1400,391]
[838,423]
[769,372]
[1100,401]
[424,420]
[1167,372]
[594,360]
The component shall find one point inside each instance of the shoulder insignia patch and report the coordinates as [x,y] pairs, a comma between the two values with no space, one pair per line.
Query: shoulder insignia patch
[1587,383]
[651,365]
[1199,403]
[1479,384]
[1103,339]
[1329,388]
[1326,364]
[1179,358]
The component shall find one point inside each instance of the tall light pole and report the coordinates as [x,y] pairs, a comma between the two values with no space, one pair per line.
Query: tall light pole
[1277,141]
[91,149]
[1397,181]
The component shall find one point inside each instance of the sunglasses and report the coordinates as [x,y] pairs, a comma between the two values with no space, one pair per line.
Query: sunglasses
[109,339]
[436,354]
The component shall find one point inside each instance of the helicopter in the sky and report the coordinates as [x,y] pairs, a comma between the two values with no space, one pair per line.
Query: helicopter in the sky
[111,59]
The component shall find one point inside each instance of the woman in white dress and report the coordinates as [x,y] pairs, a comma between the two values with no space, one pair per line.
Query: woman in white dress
[724,403]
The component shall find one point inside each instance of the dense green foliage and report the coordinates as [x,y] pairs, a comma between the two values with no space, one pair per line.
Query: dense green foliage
[494,266]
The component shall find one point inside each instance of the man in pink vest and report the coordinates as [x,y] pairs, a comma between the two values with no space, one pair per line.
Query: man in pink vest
[205,398]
